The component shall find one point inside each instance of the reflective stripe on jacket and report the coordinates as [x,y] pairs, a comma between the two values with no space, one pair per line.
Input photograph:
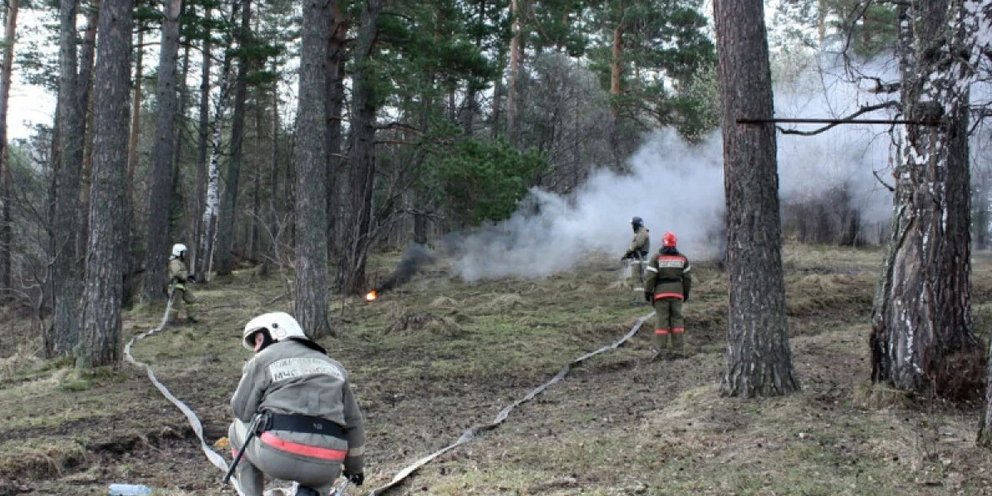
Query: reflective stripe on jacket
[289,377]
[668,275]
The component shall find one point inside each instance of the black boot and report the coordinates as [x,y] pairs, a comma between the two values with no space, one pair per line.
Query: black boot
[306,491]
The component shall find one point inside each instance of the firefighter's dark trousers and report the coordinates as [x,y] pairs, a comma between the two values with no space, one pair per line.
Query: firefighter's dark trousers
[670,325]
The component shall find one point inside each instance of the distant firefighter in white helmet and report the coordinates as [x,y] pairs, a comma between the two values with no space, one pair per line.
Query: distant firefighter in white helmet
[179,290]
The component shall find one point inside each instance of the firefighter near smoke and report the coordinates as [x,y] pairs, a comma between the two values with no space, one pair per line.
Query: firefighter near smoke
[415,256]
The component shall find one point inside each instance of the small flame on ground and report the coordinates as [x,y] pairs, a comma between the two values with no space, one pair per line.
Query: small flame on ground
[371,295]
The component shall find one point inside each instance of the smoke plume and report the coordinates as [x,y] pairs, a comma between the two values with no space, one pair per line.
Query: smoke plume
[415,256]
[675,186]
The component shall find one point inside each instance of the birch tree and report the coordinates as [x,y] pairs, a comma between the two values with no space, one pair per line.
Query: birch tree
[922,333]
[211,205]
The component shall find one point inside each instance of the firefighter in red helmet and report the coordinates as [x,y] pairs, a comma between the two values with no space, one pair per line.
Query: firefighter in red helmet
[669,279]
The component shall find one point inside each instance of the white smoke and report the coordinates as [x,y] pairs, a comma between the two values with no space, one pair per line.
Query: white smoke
[675,186]
[853,156]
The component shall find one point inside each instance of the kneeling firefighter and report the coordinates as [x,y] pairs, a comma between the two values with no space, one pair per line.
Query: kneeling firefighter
[667,287]
[296,417]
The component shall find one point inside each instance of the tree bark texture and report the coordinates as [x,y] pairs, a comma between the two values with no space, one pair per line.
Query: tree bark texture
[616,77]
[229,202]
[6,229]
[135,127]
[163,154]
[100,343]
[275,196]
[758,359]
[203,141]
[362,167]
[310,157]
[84,85]
[133,245]
[63,334]
[336,58]
[516,61]
[922,338]
[211,205]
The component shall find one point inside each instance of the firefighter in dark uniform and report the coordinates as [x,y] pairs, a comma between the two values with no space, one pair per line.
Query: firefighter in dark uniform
[637,253]
[667,286]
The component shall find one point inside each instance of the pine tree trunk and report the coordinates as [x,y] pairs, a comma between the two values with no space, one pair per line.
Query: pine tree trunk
[6,228]
[275,204]
[497,97]
[758,359]
[616,76]
[133,247]
[87,55]
[516,61]
[101,332]
[163,156]
[64,332]
[181,232]
[229,204]
[256,196]
[922,337]
[310,157]
[336,57]
[362,171]
[203,134]
[135,127]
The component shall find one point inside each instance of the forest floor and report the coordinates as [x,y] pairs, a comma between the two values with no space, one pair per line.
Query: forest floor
[438,355]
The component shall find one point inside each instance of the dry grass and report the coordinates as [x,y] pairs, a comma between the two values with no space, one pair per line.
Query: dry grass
[438,355]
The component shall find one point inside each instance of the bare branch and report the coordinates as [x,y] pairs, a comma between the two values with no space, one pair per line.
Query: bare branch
[849,119]
[882,182]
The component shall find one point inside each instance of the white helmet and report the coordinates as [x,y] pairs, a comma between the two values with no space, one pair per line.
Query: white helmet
[280,325]
[178,249]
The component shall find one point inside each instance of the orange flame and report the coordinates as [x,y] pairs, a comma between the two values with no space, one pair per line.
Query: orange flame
[371,295]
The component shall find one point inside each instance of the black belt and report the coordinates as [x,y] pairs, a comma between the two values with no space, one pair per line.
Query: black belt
[301,423]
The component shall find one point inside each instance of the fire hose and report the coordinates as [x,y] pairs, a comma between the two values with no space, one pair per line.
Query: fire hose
[472,433]
[467,436]
[216,459]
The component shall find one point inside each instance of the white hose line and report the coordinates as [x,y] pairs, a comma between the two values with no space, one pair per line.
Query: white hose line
[471,433]
[216,459]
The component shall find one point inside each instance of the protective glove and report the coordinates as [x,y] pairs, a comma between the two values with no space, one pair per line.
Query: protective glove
[191,278]
[356,479]
[647,296]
